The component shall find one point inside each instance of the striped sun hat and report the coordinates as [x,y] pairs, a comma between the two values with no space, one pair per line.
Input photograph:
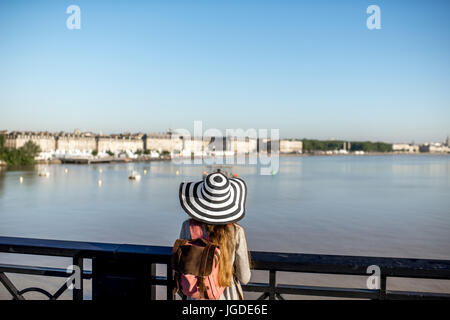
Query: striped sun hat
[215,200]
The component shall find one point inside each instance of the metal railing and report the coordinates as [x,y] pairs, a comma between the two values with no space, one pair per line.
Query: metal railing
[129,271]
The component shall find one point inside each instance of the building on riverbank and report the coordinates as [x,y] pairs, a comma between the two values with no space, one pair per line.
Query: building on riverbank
[160,142]
[120,142]
[45,140]
[198,146]
[291,146]
[77,141]
[63,142]
[195,146]
[405,147]
[434,148]
[243,145]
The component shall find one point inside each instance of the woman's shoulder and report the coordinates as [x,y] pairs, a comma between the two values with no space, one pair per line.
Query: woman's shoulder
[240,231]
[239,227]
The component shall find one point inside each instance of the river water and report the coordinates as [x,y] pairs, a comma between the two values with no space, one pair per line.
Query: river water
[393,205]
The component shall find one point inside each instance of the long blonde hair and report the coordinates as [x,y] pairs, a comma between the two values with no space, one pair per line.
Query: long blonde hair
[224,237]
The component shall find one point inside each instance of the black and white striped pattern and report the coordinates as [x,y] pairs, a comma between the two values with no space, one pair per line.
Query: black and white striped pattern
[215,200]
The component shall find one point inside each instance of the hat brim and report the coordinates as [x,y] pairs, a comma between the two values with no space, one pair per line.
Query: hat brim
[201,208]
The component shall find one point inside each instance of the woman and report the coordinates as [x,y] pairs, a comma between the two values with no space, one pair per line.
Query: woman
[216,204]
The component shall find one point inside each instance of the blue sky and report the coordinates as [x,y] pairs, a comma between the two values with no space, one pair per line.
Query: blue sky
[310,68]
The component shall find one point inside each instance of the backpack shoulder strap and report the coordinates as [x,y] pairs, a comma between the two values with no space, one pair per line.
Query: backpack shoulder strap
[195,229]
[236,285]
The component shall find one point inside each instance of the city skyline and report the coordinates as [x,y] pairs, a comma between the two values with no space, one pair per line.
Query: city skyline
[77,131]
[312,70]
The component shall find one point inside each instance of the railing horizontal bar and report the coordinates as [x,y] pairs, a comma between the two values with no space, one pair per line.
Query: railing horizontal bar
[82,249]
[40,271]
[327,291]
[342,292]
[351,265]
[423,274]
[313,291]
[159,280]
[256,287]
[407,295]
[53,247]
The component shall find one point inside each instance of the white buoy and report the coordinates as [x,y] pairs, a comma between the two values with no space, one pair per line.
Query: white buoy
[100,170]
[177,173]
[21,179]
[66,170]
[99,183]
[145,171]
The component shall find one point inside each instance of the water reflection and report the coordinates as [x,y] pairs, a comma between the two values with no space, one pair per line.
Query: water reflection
[2,179]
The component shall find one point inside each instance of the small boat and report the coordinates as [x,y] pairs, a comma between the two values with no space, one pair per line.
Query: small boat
[134,176]
[44,174]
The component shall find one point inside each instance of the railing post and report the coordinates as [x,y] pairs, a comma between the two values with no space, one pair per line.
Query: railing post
[272,284]
[78,293]
[153,286]
[383,284]
[170,284]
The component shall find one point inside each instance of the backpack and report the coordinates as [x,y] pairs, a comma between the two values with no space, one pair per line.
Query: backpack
[196,265]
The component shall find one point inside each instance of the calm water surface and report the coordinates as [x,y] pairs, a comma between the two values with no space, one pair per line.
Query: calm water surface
[368,205]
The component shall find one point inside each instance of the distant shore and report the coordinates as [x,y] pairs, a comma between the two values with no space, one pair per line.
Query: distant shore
[313,154]
[365,154]
[100,160]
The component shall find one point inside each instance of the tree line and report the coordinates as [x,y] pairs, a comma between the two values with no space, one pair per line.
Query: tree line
[310,145]
[22,156]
